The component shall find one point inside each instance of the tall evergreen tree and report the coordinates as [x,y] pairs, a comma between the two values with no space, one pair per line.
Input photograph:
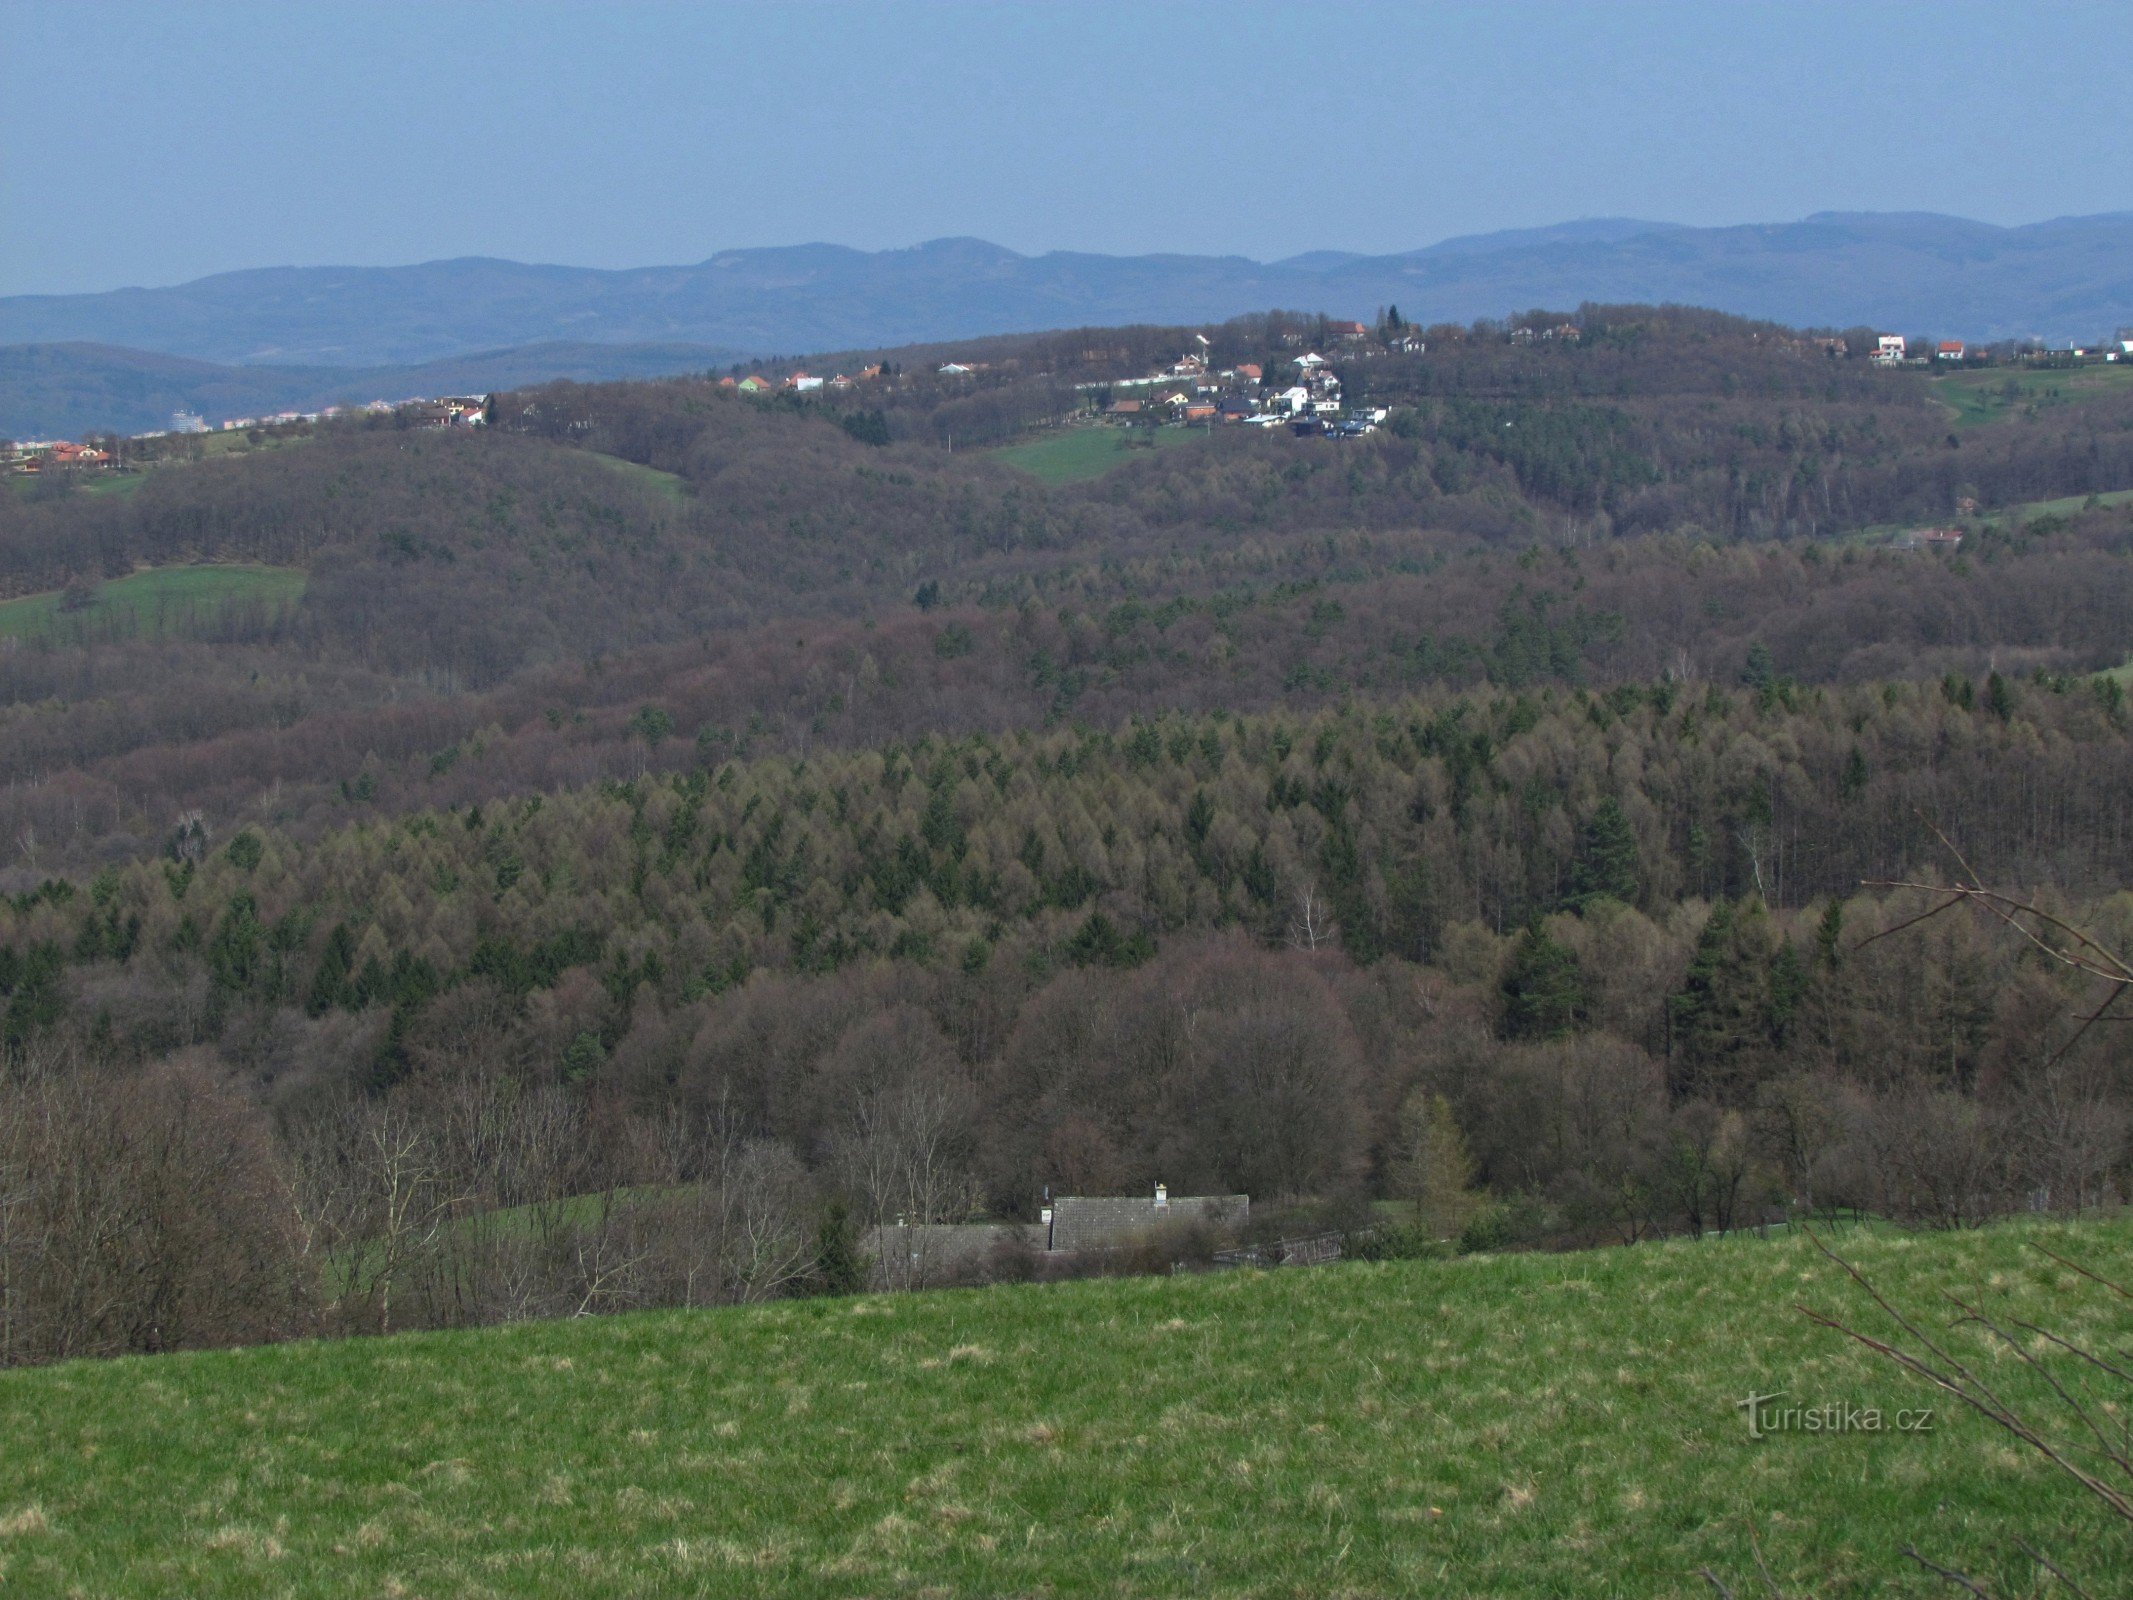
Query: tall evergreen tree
[1729,1013]
[1759,671]
[1543,988]
[1999,698]
[1607,865]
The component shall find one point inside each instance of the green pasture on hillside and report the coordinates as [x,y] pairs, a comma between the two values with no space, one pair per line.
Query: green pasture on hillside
[1987,394]
[156,601]
[1075,455]
[671,486]
[117,484]
[1546,1425]
[2069,504]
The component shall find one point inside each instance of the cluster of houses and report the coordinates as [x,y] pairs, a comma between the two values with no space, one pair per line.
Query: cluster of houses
[35,456]
[32,457]
[1565,332]
[447,411]
[1893,350]
[757,383]
[1304,394]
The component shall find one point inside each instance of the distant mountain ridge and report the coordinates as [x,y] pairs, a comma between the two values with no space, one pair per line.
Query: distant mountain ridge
[300,337]
[2070,278]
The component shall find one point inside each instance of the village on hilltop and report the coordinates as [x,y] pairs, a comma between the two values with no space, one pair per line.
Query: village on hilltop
[1301,392]
[32,458]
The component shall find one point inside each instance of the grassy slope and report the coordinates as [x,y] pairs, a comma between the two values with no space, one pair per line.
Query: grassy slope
[1980,396]
[1539,1425]
[2072,503]
[1078,454]
[157,600]
[671,485]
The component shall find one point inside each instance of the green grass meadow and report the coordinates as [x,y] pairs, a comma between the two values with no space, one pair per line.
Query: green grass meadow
[2072,503]
[1076,455]
[1546,1425]
[667,485]
[1982,395]
[114,485]
[156,601]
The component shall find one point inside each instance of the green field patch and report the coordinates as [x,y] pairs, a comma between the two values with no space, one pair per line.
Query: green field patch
[1521,1425]
[157,602]
[1992,394]
[1076,455]
[117,485]
[667,485]
[2072,503]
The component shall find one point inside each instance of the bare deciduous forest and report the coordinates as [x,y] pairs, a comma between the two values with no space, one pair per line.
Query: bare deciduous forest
[673,832]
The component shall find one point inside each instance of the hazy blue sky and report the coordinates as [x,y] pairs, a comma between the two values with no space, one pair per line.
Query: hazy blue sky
[148,144]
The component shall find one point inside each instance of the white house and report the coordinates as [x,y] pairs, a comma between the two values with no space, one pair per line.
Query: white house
[1889,349]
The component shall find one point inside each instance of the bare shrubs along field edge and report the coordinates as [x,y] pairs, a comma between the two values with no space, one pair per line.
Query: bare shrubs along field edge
[1567,1424]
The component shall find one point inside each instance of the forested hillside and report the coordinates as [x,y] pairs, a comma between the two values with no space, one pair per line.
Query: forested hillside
[1661,498]
[714,823]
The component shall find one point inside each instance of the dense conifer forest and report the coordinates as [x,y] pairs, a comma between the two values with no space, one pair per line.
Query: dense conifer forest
[670,832]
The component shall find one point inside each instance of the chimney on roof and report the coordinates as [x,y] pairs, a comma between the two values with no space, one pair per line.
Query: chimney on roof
[1162,1197]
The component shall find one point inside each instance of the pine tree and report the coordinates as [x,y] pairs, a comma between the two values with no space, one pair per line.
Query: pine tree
[329,986]
[1999,699]
[1543,990]
[1759,672]
[837,1264]
[1829,933]
[1726,1014]
[1607,860]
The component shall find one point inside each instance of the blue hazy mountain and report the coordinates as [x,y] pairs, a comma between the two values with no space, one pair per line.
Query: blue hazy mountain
[1908,272]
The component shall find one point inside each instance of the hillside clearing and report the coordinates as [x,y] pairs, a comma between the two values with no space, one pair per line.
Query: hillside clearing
[1533,1425]
[1079,454]
[2069,504]
[667,485]
[156,601]
[1989,394]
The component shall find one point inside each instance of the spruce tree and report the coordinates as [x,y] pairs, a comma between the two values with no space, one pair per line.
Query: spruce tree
[1543,990]
[1829,933]
[837,1265]
[1607,860]
[1999,699]
[1728,1012]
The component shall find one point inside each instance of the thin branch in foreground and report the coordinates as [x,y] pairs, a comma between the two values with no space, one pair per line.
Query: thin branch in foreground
[2118,1289]
[1948,1573]
[2046,1562]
